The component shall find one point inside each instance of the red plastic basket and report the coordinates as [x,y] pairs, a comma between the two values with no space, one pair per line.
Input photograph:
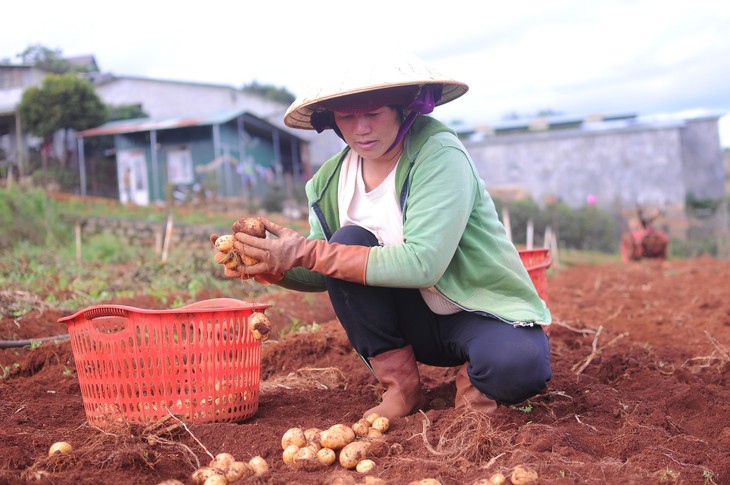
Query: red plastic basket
[200,363]
[537,261]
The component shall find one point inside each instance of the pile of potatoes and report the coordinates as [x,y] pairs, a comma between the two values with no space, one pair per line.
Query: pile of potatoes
[520,475]
[224,469]
[349,445]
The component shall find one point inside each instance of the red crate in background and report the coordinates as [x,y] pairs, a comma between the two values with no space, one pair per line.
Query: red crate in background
[537,261]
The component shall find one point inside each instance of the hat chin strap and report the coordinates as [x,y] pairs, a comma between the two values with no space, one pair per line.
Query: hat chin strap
[424,103]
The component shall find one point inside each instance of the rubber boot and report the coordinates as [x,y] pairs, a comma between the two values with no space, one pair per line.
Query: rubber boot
[397,371]
[469,397]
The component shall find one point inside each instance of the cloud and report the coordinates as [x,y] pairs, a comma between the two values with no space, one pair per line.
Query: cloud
[568,55]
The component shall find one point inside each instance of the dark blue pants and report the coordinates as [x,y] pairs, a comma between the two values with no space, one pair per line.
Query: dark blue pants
[509,364]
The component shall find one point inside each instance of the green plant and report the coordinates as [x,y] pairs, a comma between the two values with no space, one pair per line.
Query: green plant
[586,228]
[7,369]
[525,409]
[41,223]
[297,326]
[709,477]
[667,475]
[107,248]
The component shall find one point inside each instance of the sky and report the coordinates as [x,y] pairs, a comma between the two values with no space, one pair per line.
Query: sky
[575,57]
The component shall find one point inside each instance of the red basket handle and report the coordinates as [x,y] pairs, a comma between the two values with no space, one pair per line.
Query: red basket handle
[109,321]
[105,311]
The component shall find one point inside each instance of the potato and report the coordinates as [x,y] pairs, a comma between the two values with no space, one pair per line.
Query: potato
[374,433]
[222,461]
[248,260]
[260,326]
[523,475]
[306,453]
[203,473]
[395,449]
[251,226]
[326,456]
[259,465]
[426,481]
[365,466]
[238,470]
[224,243]
[293,436]
[216,480]
[332,438]
[352,453]
[376,447]
[289,454]
[306,458]
[497,479]
[346,431]
[60,448]
[312,435]
[370,418]
[361,427]
[233,261]
[371,480]
[381,424]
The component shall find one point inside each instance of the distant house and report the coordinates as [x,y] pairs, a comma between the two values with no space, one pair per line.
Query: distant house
[160,98]
[14,79]
[15,142]
[229,154]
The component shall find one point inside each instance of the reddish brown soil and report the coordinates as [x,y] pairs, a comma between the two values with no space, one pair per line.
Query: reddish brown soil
[640,394]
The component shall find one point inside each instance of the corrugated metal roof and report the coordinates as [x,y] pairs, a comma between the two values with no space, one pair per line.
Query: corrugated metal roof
[150,124]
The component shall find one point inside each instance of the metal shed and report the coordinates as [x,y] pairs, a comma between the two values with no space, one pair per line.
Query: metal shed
[232,153]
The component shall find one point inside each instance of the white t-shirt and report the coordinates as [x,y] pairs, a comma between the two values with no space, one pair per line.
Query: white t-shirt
[379,212]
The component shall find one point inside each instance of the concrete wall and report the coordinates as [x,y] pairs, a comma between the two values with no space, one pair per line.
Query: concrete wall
[168,99]
[650,165]
[703,170]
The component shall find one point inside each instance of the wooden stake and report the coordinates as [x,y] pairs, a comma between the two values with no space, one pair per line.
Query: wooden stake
[168,235]
[78,242]
[554,250]
[548,238]
[506,222]
[530,234]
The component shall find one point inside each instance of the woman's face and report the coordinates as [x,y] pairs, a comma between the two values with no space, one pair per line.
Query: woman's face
[371,133]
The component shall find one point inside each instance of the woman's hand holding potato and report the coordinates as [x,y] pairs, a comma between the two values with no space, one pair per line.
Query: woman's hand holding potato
[276,256]
[234,259]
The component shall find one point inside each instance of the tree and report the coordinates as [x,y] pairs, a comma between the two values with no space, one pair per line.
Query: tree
[63,102]
[125,112]
[41,56]
[273,93]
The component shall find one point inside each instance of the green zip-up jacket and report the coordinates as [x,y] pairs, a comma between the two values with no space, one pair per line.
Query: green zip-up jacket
[453,239]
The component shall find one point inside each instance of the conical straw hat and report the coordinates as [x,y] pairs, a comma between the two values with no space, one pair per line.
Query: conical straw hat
[396,70]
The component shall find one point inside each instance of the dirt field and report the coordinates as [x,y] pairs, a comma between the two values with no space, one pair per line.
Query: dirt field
[640,394]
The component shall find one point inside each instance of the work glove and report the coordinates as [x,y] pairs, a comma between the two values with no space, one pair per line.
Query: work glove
[290,250]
